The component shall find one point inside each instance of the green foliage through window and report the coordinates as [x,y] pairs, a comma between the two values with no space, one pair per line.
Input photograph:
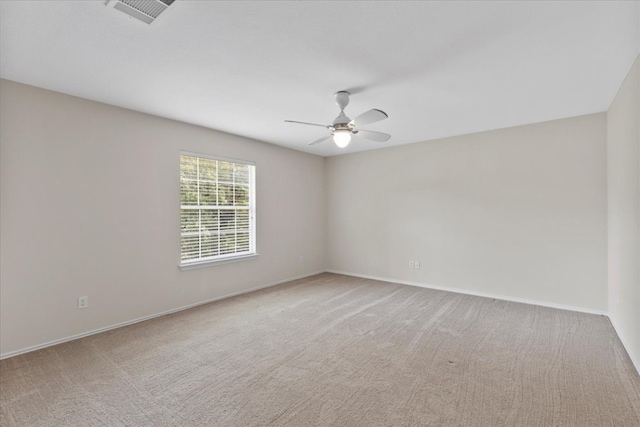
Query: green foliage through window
[216,208]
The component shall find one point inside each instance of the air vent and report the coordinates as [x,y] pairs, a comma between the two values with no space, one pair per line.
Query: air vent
[145,10]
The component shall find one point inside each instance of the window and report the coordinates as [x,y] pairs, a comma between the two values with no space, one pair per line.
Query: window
[217,206]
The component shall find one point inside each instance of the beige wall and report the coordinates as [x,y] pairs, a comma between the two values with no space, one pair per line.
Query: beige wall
[518,212]
[623,158]
[89,205]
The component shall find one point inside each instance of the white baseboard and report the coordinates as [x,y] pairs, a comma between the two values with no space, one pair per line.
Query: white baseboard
[152,316]
[475,293]
[636,362]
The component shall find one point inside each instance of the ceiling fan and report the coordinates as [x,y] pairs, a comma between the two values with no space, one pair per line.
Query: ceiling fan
[343,128]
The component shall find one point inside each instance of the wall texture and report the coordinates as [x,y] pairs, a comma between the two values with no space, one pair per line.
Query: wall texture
[89,205]
[623,161]
[518,212]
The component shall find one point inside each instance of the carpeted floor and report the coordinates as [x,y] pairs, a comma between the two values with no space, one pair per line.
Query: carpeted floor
[333,350]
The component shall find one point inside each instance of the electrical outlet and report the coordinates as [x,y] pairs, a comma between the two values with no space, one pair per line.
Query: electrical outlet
[83,302]
[417,264]
[411,264]
[301,259]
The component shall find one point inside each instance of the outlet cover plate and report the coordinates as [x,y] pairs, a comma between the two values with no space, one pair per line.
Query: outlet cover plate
[83,302]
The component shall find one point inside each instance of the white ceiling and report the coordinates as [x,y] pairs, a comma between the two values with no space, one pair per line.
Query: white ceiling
[437,68]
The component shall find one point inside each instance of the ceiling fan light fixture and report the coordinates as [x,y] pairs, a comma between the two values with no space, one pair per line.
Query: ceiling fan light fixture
[343,127]
[342,137]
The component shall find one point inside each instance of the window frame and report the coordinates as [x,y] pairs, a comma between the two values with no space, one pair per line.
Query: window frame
[227,258]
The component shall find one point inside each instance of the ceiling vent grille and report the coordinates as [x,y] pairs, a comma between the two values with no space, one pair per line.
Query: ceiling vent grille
[145,10]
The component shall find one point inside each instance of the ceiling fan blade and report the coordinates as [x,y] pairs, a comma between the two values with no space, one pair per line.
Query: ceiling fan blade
[370,116]
[374,136]
[318,141]
[305,123]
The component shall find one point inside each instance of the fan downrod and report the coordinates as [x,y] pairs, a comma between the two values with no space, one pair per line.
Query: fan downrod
[342,99]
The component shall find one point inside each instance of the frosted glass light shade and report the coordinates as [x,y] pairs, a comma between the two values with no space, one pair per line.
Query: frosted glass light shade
[342,138]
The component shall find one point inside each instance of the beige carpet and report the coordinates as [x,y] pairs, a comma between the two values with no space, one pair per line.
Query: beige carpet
[333,350]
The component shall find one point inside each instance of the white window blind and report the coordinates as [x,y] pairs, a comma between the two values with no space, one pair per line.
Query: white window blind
[217,206]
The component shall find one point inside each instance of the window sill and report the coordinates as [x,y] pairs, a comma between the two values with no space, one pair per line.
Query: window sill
[211,263]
